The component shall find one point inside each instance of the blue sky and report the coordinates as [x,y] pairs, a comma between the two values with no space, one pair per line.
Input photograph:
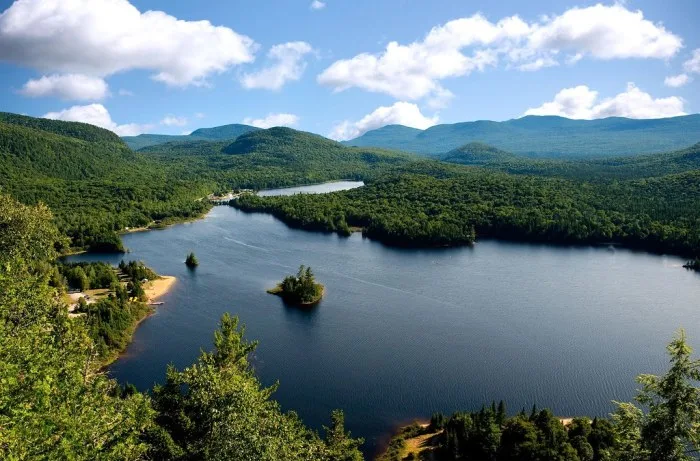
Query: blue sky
[332,70]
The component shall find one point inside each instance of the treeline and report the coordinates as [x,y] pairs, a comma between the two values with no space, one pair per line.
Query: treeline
[56,404]
[429,205]
[593,170]
[84,276]
[661,425]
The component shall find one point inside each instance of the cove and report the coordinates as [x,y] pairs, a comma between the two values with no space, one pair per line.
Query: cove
[402,333]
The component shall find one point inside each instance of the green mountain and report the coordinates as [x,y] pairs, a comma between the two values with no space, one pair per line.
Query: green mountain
[546,137]
[82,131]
[223,132]
[218,133]
[90,179]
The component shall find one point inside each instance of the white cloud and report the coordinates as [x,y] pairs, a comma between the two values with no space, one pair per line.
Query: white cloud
[462,46]
[103,37]
[272,120]
[125,92]
[693,64]
[582,103]
[400,113]
[171,120]
[289,66]
[317,5]
[677,81]
[66,86]
[97,114]
[538,64]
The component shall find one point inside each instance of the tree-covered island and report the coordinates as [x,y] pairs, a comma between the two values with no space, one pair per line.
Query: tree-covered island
[300,289]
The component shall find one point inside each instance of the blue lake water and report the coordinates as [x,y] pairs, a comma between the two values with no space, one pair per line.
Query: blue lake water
[404,333]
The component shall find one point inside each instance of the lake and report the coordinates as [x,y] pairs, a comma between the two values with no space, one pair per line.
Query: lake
[404,333]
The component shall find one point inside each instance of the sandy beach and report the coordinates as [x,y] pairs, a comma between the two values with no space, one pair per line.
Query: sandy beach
[159,287]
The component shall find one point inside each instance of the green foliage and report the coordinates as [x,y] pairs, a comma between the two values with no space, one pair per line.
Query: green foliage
[434,204]
[84,276]
[95,187]
[54,404]
[549,137]
[137,271]
[592,170]
[300,288]
[111,322]
[217,409]
[77,130]
[191,260]
[669,430]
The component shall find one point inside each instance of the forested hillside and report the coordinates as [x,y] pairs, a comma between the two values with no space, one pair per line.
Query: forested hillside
[545,137]
[97,186]
[595,170]
[431,204]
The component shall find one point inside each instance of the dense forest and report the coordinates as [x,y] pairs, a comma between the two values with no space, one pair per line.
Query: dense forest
[56,404]
[97,187]
[591,170]
[429,205]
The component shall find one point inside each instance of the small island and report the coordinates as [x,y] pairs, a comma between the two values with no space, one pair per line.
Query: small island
[300,289]
[191,261]
[693,264]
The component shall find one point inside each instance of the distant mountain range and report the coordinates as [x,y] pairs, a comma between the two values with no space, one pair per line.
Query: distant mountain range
[545,137]
[218,133]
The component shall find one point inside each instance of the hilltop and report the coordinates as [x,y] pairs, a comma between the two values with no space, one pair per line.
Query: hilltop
[544,136]
[217,133]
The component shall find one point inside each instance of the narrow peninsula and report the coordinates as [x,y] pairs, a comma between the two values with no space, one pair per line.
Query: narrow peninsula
[300,289]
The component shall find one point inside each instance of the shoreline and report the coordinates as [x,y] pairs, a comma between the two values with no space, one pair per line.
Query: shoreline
[159,287]
[154,289]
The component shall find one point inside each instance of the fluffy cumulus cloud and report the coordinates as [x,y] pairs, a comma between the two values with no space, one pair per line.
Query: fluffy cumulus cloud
[273,120]
[474,43]
[97,114]
[171,120]
[693,64]
[317,5]
[287,65]
[676,81]
[400,113]
[67,86]
[102,37]
[581,102]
